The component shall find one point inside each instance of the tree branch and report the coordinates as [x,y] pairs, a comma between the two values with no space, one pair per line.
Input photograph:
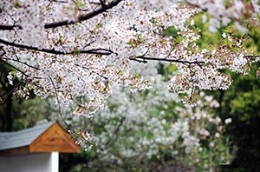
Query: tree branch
[12,66]
[145,59]
[113,139]
[58,1]
[18,61]
[80,18]
[251,56]
[97,51]
[9,27]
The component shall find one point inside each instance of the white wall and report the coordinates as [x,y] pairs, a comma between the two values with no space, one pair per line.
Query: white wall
[35,162]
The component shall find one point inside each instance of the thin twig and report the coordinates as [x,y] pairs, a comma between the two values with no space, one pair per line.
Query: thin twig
[24,63]
[12,66]
[145,59]
[251,56]
[59,106]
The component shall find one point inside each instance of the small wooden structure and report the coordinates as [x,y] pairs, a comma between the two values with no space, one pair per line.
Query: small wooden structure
[35,149]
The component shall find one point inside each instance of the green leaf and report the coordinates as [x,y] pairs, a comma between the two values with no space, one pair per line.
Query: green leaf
[79,3]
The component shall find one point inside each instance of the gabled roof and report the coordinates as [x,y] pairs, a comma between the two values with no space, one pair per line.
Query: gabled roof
[9,140]
[49,137]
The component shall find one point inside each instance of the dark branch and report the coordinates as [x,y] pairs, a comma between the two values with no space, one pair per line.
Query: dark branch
[83,17]
[97,51]
[145,59]
[58,1]
[115,133]
[9,27]
[18,61]
[251,56]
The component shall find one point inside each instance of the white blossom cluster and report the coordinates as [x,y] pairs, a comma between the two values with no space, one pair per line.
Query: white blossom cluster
[225,12]
[137,127]
[78,51]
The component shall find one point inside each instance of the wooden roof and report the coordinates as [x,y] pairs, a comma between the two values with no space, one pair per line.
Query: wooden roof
[49,137]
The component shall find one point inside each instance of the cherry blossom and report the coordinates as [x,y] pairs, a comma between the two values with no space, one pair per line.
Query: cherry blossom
[137,127]
[225,12]
[78,51]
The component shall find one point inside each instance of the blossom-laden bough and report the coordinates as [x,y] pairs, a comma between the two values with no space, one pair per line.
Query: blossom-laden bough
[78,51]
[152,130]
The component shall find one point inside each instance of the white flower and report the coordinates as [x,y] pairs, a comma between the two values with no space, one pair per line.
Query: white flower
[10,78]
[228,120]
[217,135]
[211,144]
[224,35]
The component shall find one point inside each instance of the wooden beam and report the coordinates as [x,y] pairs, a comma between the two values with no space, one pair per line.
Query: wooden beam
[20,150]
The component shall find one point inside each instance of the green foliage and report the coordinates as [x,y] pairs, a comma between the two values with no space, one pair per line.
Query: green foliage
[240,102]
[28,113]
[244,105]
[171,31]
[207,38]
[17,113]
[250,40]
[254,43]
[79,3]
